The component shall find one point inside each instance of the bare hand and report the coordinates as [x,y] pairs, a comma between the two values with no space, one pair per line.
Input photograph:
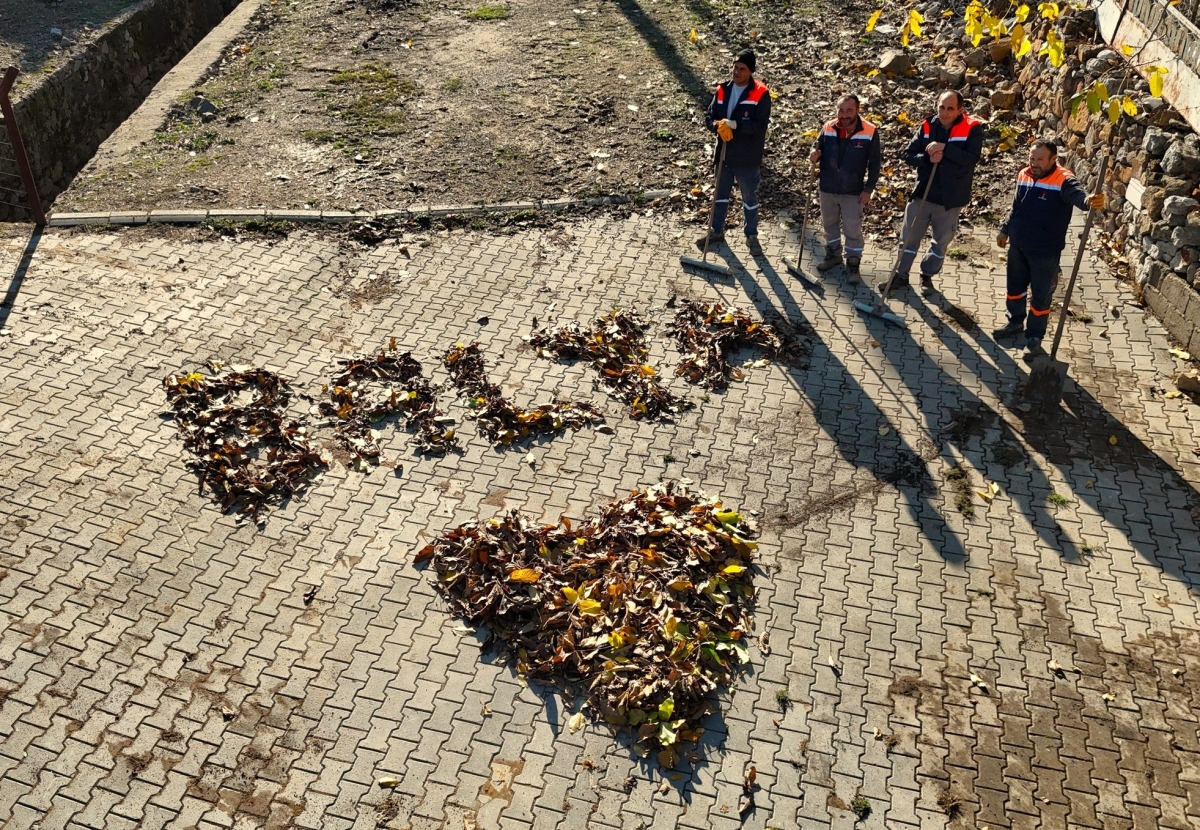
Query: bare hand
[934,150]
[814,156]
[864,199]
[1001,240]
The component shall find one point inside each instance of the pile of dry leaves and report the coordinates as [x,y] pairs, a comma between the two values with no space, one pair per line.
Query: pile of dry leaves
[616,347]
[247,450]
[708,333]
[371,388]
[498,418]
[646,609]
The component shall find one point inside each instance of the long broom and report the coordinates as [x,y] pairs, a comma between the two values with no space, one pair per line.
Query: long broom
[794,267]
[715,267]
[880,309]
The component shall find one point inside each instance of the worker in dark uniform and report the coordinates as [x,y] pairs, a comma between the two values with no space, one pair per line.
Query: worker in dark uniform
[1046,195]
[738,114]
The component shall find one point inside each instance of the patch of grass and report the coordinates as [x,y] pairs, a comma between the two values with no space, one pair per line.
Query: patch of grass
[198,163]
[377,95]
[1005,455]
[783,699]
[489,13]
[1057,499]
[958,253]
[960,480]
[861,807]
[453,85]
[663,134]
[319,136]
[949,804]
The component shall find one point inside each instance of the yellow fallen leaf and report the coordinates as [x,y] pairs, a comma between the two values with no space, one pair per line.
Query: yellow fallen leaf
[576,722]
[873,19]
[693,37]
[1112,439]
[733,570]
[571,594]
[527,576]
[388,783]
[1174,393]
[590,608]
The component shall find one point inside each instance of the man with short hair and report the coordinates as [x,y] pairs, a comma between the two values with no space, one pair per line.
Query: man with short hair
[1037,225]
[848,153]
[738,114]
[954,142]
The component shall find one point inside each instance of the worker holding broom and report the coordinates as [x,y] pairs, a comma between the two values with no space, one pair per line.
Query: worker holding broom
[847,153]
[738,114]
[945,151]
[1037,225]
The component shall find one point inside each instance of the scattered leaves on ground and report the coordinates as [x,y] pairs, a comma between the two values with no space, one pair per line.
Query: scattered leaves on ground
[708,333]
[615,345]
[247,450]
[371,388]
[645,610]
[498,418]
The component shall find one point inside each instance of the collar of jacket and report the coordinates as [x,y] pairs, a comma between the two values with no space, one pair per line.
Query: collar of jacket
[754,91]
[1053,180]
[864,129]
[957,131]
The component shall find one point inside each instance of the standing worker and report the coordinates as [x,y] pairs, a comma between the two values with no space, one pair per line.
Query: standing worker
[848,153]
[953,141]
[1041,214]
[738,114]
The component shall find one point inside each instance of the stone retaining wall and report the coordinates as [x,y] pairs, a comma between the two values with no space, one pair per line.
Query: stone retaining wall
[1154,160]
[70,114]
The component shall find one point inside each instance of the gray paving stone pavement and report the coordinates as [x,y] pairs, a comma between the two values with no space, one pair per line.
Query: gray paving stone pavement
[159,666]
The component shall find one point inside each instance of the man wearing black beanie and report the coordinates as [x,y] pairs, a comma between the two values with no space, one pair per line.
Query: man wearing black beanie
[738,114]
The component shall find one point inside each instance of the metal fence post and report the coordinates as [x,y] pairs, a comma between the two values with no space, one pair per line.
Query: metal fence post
[19,156]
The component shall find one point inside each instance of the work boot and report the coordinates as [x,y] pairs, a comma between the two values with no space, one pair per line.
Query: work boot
[754,246]
[711,238]
[852,272]
[1010,329]
[832,260]
[927,284]
[900,282]
[1033,350]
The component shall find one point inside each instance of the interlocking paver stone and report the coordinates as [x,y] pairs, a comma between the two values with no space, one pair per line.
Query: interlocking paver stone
[159,664]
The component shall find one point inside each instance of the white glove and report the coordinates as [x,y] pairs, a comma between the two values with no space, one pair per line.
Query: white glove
[730,123]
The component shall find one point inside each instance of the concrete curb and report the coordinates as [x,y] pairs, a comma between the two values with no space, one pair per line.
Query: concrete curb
[195,217]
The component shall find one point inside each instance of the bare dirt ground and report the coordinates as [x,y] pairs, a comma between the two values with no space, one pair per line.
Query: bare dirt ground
[382,104]
[27,43]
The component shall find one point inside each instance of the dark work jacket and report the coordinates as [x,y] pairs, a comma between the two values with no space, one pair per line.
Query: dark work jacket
[1041,211]
[752,113]
[964,145]
[847,160]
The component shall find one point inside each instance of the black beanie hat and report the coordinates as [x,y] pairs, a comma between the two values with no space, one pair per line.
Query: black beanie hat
[747,57]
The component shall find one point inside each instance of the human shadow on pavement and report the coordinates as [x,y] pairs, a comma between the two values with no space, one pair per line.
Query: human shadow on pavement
[18,277]
[1080,430]
[865,436]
